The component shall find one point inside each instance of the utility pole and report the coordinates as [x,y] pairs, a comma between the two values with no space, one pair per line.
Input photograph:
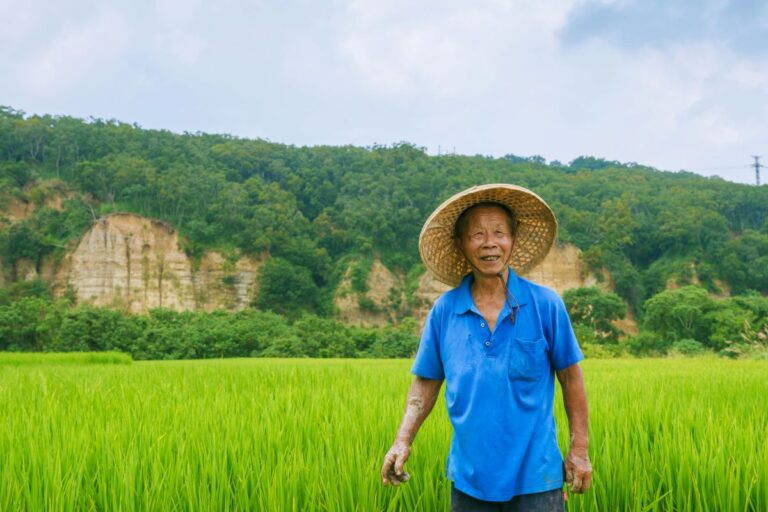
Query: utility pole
[757,165]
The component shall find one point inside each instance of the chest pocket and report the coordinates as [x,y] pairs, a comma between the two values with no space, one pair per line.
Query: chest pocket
[528,359]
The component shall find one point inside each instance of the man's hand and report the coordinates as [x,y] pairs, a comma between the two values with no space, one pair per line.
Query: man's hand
[421,399]
[392,471]
[578,470]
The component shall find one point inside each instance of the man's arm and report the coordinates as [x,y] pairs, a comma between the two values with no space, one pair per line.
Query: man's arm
[421,399]
[578,469]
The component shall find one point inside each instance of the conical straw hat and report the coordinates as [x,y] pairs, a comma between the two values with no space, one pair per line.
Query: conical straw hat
[536,230]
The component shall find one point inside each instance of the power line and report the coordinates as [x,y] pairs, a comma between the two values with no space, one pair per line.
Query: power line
[756,166]
[726,168]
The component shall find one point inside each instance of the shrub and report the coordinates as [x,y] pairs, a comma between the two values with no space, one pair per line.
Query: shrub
[687,347]
[647,344]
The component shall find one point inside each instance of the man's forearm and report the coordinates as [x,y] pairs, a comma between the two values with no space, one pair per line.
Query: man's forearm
[575,401]
[421,399]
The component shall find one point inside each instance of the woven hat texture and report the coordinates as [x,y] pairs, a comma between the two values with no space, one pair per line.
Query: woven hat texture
[536,231]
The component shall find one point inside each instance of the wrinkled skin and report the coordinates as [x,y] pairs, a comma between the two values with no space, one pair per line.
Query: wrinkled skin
[578,469]
[487,242]
[421,399]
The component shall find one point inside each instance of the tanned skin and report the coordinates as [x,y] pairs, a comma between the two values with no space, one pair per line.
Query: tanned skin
[421,400]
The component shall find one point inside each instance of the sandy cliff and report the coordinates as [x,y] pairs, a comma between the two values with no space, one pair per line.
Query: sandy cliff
[382,303]
[136,263]
[132,262]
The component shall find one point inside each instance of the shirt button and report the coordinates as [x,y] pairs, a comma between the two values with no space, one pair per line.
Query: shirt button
[487,343]
[482,324]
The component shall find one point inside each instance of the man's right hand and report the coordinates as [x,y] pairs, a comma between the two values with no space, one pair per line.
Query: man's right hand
[392,471]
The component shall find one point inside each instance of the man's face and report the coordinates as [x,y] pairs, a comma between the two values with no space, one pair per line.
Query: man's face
[487,240]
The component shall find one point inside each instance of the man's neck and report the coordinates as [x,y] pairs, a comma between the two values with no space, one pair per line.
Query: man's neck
[488,286]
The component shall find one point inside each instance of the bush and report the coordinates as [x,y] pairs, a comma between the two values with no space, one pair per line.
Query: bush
[680,314]
[400,341]
[287,289]
[595,309]
[647,344]
[687,347]
[595,351]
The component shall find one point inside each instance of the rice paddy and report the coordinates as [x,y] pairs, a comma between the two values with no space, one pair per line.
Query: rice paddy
[256,434]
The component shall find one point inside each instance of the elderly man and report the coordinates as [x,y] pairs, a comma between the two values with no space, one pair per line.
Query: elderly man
[497,340]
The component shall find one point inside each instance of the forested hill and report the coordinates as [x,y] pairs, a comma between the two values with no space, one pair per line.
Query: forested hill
[310,207]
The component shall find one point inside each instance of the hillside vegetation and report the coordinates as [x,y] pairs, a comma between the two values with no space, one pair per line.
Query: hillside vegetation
[313,208]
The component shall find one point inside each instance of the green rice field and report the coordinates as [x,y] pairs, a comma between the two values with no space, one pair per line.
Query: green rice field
[260,434]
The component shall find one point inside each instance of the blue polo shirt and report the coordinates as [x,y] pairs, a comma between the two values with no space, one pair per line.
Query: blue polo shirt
[499,387]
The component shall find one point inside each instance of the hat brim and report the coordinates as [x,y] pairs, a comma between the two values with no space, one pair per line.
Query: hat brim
[535,234]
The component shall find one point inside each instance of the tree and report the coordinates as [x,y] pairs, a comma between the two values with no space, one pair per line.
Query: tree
[287,289]
[743,262]
[680,314]
[596,309]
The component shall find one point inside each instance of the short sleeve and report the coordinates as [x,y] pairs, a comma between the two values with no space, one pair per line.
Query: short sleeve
[428,364]
[565,350]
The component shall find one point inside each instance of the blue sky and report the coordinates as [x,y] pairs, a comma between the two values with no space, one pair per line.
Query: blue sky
[672,84]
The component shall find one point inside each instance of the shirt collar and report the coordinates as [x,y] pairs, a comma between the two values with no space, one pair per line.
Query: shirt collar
[464,301]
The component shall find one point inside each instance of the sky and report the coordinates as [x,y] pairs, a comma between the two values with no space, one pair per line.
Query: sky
[674,84]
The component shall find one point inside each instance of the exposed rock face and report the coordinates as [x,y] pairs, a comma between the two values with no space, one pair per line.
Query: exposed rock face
[136,263]
[425,295]
[25,270]
[562,269]
[132,262]
[673,283]
[380,305]
[17,210]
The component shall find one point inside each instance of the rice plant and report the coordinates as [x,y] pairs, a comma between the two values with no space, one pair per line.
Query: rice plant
[310,435]
[67,358]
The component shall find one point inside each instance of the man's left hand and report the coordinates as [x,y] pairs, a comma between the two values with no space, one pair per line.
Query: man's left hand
[578,470]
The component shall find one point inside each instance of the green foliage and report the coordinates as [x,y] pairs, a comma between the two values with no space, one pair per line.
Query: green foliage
[601,351]
[688,347]
[596,309]
[20,289]
[743,262]
[23,242]
[34,323]
[313,206]
[720,325]
[358,275]
[287,289]
[679,314]
[63,359]
[647,344]
[400,341]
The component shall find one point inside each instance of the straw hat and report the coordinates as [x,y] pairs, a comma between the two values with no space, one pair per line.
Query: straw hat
[534,236]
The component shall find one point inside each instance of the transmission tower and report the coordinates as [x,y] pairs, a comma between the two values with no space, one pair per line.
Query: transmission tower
[757,165]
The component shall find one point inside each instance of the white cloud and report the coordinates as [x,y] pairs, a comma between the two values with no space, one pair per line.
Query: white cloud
[18,21]
[181,46]
[176,12]
[488,76]
[75,53]
[438,49]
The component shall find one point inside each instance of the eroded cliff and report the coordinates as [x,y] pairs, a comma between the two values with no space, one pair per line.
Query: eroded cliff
[136,263]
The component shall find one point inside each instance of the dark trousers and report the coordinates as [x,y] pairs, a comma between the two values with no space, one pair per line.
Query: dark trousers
[547,501]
